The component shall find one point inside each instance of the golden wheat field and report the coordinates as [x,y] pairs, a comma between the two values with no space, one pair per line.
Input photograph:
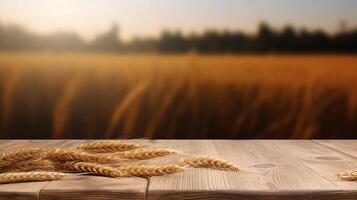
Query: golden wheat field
[177,96]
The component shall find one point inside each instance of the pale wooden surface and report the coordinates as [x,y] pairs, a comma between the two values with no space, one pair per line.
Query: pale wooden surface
[270,170]
[344,146]
[273,169]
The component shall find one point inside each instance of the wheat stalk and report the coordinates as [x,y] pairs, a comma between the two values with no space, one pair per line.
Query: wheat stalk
[63,155]
[92,168]
[145,153]
[108,146]
[130,170]
[207,162]
[350,175]
[147,171]
[9,158]
[30,165]
[30,176]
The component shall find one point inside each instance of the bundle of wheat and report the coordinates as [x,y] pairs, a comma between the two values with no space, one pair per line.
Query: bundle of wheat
[64,155]
[34,164]
[22,154]
[30,165]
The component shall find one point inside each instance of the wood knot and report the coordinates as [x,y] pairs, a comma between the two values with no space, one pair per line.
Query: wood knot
[328,158]
[266,165]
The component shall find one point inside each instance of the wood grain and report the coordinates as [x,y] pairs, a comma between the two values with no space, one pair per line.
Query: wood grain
[267,173]
[322,159]
[344,146]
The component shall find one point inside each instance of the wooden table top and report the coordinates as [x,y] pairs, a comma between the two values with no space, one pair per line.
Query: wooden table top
[270,169]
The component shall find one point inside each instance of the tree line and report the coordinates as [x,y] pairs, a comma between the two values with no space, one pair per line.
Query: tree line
[265,40]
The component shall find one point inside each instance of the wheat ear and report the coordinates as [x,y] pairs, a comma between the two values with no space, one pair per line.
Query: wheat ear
[144,153]
[30,176]
[30,165]
[108,146]
[147,170]
[19,155]
[63,155]
[92,168]
[350,175]
[207,162]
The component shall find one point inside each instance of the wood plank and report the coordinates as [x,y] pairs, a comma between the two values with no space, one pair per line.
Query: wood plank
[17,191]
[271,169]
[24,190]
[323,160]
[95,187]
[266,174]
[345,146]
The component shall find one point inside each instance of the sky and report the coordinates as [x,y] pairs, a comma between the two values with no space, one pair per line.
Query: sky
[149,17]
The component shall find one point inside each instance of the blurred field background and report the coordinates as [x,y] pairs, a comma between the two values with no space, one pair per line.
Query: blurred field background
[202,69]
[88,95]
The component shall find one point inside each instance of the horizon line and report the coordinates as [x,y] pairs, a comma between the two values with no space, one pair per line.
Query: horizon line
[298,29]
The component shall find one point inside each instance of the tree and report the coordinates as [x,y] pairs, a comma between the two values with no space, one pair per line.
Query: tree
[265,40]
[287,39]
[108,41]
[172,43]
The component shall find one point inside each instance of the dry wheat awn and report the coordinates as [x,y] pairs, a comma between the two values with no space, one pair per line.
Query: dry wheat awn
[145,153]
[9,158]
[350,175]
[147,170]
[30,176]
[64,155]
[92,168]
[108,146]
[207,162]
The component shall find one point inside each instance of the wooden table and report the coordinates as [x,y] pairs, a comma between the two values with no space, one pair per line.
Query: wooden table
[271,169]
